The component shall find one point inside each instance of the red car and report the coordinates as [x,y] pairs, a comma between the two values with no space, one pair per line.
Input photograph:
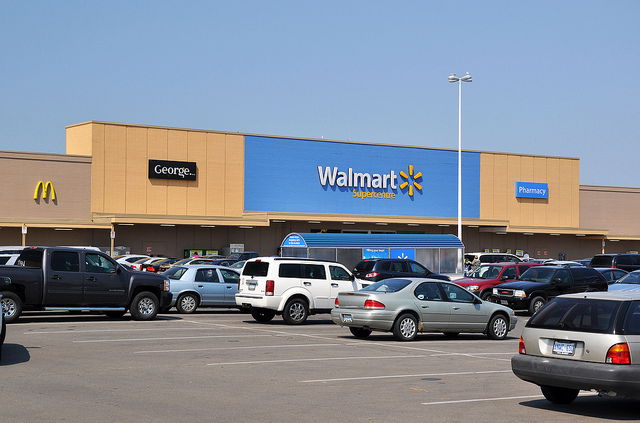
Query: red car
[485,277]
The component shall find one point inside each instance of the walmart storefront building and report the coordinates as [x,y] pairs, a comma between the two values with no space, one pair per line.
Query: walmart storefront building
[166,190]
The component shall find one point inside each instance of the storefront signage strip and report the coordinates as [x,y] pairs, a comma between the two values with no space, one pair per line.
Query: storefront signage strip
[532,190]
[167,169]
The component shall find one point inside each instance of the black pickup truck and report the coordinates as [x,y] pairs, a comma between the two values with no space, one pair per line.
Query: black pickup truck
[60,278]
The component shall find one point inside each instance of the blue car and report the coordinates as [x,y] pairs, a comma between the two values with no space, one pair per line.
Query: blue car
[202,286]
[630,282]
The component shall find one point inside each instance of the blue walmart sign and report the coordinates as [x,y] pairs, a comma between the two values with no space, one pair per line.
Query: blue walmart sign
[304,176]
[532,190]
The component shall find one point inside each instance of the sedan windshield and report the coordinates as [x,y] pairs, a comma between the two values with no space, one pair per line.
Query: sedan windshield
[388,285]
[536,274]
[486,272]
[633,277]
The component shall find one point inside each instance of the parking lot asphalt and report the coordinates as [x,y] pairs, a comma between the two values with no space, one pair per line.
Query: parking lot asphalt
[221,366]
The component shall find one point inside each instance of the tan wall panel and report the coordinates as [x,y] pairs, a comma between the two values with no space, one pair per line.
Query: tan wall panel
[234,177]
[115,145]
[136,174]
[97,169]
[197,190]
[612,208]
[177,190]
[216,174]
[156,188]
[79,139]
[500,172]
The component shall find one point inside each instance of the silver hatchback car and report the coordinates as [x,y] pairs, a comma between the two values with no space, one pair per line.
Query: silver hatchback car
[408,306]
[587,341]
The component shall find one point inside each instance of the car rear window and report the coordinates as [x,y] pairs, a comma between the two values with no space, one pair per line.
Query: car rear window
[577,314]
[364,266]
[628,260]
[175,273]
[255,268]
[601,261]
[633,277]
[387,285]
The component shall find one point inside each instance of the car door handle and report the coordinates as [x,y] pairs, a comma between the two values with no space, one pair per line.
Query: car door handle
[200,286]
[56,277]
[456,308]
[425,306]
[229,287]
[307,283]
[335,285]
[91,278]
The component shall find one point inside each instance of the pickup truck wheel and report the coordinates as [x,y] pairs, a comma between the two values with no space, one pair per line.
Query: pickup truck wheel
[262,315]
[114,314]
[536,304]
[11,306]
[295,312]
[144,306]
[559,395]
[187,303]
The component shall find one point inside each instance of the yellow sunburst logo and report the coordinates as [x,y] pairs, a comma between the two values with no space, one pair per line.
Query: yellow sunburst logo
[411,180]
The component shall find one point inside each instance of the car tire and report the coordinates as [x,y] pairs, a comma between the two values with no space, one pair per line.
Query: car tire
[262,315]
[405,327]
[144,306]
[187,303]
[360,333]
[536,304]
[486,296]
[295,311]
[11,306]
[498,327]
[114,314]
[559,395]
[451,334]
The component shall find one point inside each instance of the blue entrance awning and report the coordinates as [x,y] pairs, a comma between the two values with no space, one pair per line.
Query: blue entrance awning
[311,240]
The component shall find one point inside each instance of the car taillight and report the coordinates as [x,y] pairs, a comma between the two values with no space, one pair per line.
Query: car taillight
[373,304]
[336,302]
[166,286]
[269,288]
[150,269]
[619,354]
[521,348]
[371,275]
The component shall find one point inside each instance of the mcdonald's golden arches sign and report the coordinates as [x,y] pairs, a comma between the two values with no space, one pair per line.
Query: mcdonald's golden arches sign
[48,191]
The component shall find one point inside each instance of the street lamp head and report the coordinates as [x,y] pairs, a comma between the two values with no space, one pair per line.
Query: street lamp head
[466,77]
[453,78]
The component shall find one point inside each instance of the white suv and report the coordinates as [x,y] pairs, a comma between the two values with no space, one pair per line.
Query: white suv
[293,287]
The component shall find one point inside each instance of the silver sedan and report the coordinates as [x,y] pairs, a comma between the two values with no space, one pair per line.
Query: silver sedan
[408,306]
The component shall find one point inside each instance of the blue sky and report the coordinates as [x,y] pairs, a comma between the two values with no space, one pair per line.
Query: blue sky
[550,77]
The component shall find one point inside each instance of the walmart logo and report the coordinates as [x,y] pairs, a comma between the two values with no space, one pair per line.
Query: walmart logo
[411,180]
[362,182]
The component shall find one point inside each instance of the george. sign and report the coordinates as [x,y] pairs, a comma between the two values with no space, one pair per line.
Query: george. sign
[403,253]
[46,188]
[370,253]
[532,190]
[293,240]
[168,169]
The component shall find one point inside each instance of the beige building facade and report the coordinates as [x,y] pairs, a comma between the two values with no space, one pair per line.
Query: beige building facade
[255,189]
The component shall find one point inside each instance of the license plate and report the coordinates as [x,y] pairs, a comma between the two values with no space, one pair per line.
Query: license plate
[251,284]
[347,318]
[564,348]
[504,302]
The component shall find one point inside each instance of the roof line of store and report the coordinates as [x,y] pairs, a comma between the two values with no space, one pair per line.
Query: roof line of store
[314,139]
[52,157]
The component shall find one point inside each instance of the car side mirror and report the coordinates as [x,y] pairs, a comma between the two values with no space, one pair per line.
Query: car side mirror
[556,280]
[352,278]
[477,301]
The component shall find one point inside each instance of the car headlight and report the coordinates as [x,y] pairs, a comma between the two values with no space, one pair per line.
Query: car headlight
[519,293]
[473,288]
[166,286]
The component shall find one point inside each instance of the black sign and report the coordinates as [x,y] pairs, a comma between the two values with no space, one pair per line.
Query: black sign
[167,169]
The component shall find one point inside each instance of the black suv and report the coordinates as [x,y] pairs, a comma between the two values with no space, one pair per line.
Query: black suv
[539,284]
[375,270]
[628,262]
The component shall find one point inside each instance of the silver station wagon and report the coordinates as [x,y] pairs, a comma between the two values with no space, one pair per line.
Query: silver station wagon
[408,306]
[588,341]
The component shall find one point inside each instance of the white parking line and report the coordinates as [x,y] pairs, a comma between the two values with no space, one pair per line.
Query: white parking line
[115,330]
[294,360]
[342,379]
[255,347]
[166,339]
[496,399]
[99,321]
[478,353]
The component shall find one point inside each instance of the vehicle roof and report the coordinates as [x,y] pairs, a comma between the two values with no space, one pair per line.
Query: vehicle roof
[605,295]
[205,266]
[510,263]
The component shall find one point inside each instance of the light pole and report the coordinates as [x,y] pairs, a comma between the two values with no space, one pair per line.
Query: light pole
[460,80]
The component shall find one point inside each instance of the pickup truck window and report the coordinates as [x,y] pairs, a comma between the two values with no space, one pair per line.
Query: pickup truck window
[64,261]
[95,263]
[30,258]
